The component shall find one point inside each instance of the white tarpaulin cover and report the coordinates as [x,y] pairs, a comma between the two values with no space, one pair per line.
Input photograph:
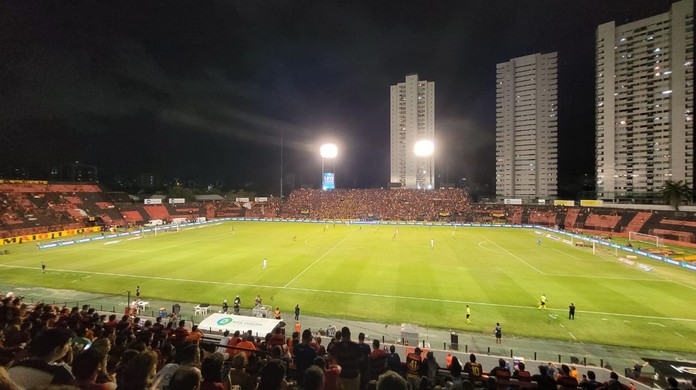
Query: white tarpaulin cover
[219,322]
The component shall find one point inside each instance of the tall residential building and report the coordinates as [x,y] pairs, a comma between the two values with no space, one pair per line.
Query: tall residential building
[644,117]
[412,120]
[526,148]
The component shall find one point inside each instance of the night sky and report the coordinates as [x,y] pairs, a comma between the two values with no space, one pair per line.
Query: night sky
[204,90]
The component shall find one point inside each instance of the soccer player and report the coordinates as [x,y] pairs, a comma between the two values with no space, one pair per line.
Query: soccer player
[542,302]
[265,263]
[43,267]
[468,314]
[432,244]
[571,311]
[538,241]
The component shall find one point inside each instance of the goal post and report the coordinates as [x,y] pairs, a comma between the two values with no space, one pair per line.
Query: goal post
[646,238]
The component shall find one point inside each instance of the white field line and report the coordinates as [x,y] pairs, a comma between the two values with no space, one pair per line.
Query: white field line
[680,335]
[512,255]
[489,249]
[317,260]
[351,293]
[571,335]
[608,277]
[657,323]
[570,255]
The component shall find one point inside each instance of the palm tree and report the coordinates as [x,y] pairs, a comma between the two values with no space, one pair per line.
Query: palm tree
[676,191]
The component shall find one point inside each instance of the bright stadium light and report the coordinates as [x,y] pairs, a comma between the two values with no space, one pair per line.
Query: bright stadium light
[424,148]
[329,151]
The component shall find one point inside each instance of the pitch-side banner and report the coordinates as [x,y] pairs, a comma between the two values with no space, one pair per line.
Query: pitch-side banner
[512,201]
[260,199]
[567,203]
[49,236]
[153,201]
[591,202]
[177,200]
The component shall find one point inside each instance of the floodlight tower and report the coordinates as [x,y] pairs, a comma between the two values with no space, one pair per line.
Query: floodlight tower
[424,174]
[329,151]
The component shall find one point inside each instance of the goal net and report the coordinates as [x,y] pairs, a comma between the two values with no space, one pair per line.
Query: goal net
[646,238]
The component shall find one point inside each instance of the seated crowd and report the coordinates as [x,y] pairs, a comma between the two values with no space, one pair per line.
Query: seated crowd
[46,346]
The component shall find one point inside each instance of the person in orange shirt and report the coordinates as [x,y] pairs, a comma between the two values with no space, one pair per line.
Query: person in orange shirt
[195,336]
[247,343]
[277,313]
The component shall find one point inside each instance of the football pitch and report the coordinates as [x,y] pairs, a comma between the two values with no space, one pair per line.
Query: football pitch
[424,275]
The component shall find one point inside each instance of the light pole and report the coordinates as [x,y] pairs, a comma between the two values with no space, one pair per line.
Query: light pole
[327,151]
[424,149]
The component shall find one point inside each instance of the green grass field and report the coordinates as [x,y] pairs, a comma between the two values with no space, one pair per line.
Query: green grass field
[365,273]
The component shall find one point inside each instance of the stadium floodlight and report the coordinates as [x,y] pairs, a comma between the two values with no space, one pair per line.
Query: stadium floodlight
[424,148]
[329,151]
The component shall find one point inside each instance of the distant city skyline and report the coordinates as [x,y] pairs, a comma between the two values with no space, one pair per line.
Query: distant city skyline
[206,93]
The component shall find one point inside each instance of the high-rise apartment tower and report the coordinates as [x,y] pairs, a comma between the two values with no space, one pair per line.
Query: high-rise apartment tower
[412,120]
[526,149]
[644,104]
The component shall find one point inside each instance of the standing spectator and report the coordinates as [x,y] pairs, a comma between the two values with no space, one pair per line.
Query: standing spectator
[378,360]
[273,376]
[455,370]
[186,378]
[414,368]
[140,372]
[348,356]
[431,367]
[86,368]
[391,381]
[364,364]
[394,360]
[304,355]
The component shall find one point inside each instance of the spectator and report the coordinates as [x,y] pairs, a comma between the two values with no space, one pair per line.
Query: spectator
[186,378]
[474,371]
[43,368]
[394,361]
[347,355]
[378,360]
[390,380]
[273,376]
[140,371]
[500,375]
[211,371]
[455,370]
[313,378]
[543,380]
[238,375]
[188,355]
[431,368]
[364,361]
[564,380]
[591,382]
[304,355]
[86,368]
[414,369]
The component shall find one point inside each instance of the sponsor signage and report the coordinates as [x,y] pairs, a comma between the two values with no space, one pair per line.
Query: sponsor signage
[261,199]
[153,201]
[567,203]
[177,200]
[23,182]
[242,200]
[48,236]
[327,182]
[512,201]
[591,203]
